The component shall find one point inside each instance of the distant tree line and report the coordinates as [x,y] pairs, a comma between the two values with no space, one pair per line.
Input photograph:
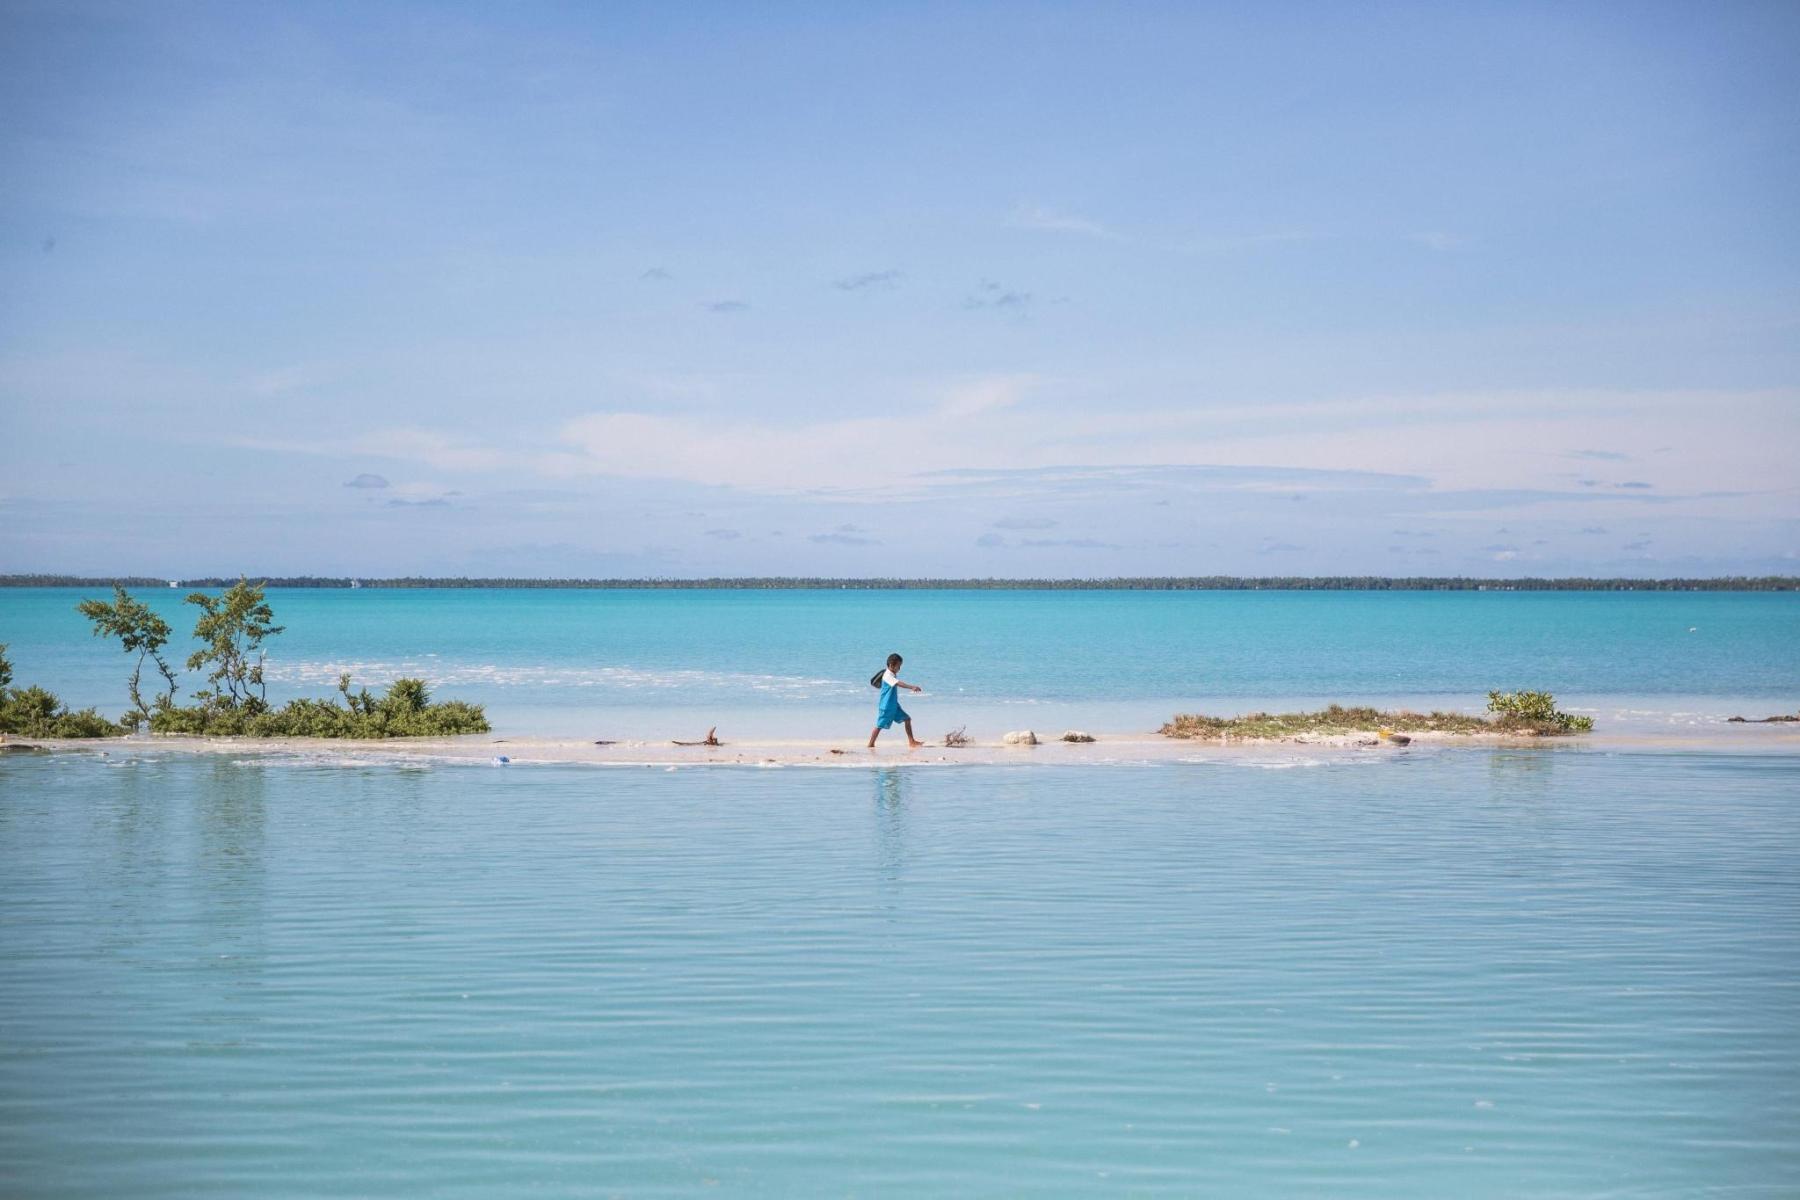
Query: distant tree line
[1146,583]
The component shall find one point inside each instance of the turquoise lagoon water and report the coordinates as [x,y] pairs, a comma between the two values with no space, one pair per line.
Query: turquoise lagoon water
[1456,973]
[1571,970]
[636,663]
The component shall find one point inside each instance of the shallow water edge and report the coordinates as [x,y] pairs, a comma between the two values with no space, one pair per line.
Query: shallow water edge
[1107,749]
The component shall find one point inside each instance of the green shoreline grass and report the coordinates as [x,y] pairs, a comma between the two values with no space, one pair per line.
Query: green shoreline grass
[1337,719]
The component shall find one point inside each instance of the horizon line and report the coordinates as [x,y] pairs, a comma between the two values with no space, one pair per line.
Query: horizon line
[999,583]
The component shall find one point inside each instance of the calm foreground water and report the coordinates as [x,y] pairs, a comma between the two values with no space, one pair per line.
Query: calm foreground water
[1567,970]
[652,664]
[1463,972]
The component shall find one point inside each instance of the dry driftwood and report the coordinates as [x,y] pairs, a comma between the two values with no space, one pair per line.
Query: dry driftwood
[956,737]
[711,739]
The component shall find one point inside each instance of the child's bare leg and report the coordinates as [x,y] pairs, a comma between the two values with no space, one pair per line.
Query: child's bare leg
[912,741]
[873,734]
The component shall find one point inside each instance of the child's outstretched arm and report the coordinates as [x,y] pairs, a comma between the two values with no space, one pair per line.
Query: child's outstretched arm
[911,687]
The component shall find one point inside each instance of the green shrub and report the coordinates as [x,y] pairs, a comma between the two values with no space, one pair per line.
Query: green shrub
[406,696]
[1534,712]
[1334,719]
[1514,712]
[35,712]
[233,628]
[405,711]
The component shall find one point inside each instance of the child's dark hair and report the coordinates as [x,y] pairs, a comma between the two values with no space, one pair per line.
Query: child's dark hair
[893,664]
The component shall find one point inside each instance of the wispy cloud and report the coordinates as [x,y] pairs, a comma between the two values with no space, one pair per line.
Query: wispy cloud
[1049,220]
[1600,455]
[728,306]
[1025,523]
[862,453]
[983,394]
[1195,477]
[1070,543]
[281,381]
[656,275]
[995,541]
[1437,240]
[1004,447]
[867,280]
[436,449]
[1230,243]
[991,295]
[725,535]
[366,480]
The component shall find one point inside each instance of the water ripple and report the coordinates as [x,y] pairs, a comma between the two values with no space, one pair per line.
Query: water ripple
[1485,974]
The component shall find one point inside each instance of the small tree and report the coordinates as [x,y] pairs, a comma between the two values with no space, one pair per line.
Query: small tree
[141,631]
[1535,712]
[232,630]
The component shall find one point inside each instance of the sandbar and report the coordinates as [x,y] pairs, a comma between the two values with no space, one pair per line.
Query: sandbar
[1105,749]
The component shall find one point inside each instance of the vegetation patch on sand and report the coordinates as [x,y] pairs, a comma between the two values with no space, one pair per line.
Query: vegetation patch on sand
[405,710]
[35,712]
[231,630]
[1531,714]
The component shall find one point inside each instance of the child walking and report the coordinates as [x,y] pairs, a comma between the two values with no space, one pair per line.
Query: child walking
[887,709]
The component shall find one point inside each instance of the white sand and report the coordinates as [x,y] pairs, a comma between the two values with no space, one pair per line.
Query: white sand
[1116,748]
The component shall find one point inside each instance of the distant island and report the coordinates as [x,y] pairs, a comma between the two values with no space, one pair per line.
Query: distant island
[1147,583]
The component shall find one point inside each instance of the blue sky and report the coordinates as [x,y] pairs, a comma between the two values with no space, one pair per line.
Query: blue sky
[848,290]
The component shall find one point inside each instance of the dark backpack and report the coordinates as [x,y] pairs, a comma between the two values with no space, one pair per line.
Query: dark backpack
[875,679]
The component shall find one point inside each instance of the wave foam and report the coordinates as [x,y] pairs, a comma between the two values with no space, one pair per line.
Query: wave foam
[439,674]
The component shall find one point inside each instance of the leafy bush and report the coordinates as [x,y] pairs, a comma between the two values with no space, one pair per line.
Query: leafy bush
[1534,712]
[405,711]
[35,712]
[1514,712]
[1334,719]
[232,628]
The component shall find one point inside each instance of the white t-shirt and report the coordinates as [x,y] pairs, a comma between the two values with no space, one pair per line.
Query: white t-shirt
[889,679]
